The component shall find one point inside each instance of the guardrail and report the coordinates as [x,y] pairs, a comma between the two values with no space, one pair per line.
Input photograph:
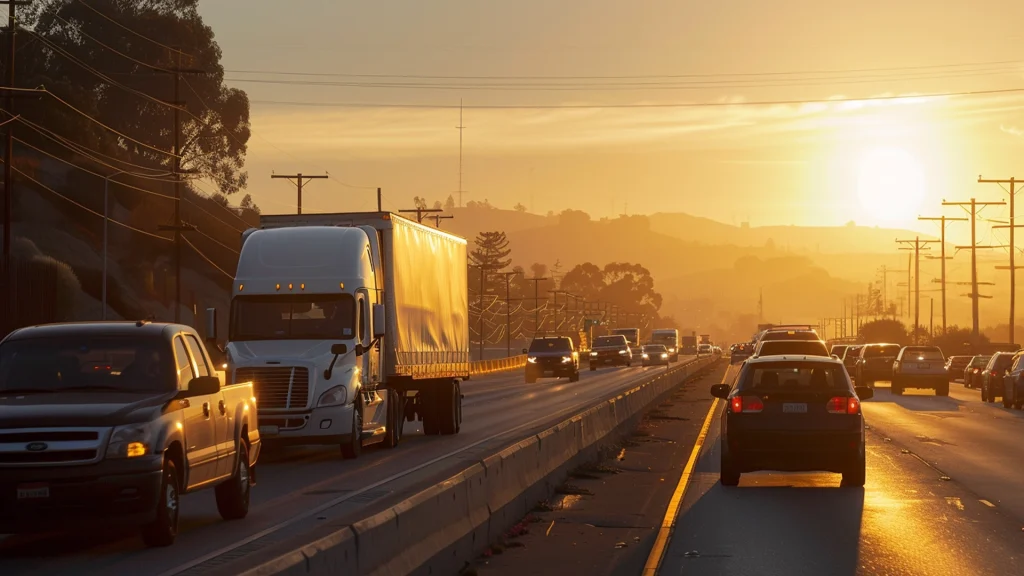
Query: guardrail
[482,367]
[438,530]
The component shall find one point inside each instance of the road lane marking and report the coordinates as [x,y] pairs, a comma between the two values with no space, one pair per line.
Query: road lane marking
[636,381]
[987,503]
[668,523]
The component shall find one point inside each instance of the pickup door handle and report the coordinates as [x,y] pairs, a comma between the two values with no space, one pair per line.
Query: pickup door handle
[206,409]
[184,403]
[222,407]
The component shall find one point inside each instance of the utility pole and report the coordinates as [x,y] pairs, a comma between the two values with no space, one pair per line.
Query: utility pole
[508,311]
[885,270]
[460,128]
[931,317]
[483,274]
[918,245]
[419,212]
[380,207]
[438,217]
[536,304]
[942,242]
[299,178]
[760,305]
[974,295]
[8,279]
[1013,249]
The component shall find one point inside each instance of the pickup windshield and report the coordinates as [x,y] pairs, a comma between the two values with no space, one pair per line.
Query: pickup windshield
[609,341]
[293,317]
[87,364]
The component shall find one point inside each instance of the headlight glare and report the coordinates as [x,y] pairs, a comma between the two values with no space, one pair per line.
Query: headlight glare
[129,441]
[336,396]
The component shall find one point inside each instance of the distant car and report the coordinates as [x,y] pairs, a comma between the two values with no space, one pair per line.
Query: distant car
[992,376]
[1013,383]
[610,351]
[791,348]
[553,356]
[716,350]
[875,363]
[741,352]
[972,374]
[838,350]
[920,367]
[849,358]
[655,355]
[792,416]
[955,366]
[704,349]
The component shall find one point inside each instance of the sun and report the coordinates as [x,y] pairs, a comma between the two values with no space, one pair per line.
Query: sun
[891,184]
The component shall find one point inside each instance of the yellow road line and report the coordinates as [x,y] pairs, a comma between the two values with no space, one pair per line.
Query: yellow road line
[668,523]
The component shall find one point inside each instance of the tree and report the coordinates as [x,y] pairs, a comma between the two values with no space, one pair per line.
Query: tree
[248,204]
[420,203]
[491,252]
[884,331]
[437,205]
[585,280]
[538,270]
[958,340]
[449,204]
[631,287]
[519,207]
[556,271]
[215,126]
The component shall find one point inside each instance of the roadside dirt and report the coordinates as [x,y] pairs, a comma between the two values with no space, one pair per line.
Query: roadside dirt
[604,518]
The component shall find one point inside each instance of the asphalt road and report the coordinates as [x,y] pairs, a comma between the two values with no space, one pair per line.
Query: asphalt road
[943,496]
[300,488]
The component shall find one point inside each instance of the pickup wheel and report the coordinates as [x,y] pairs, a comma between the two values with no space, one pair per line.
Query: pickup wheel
[855,475]
[164,529]
[396,420]
[449,407]
[233,494]
[351,449]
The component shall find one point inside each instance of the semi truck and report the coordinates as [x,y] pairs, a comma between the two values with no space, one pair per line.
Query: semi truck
[689,345]
[349,325]
[632,335]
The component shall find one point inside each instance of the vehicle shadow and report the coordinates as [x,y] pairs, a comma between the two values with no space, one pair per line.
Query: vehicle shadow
[789,531]
[917,400]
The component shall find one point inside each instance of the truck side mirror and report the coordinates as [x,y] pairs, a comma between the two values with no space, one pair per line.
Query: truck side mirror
[204,386]
[211,324]
[339,349]
[378,321]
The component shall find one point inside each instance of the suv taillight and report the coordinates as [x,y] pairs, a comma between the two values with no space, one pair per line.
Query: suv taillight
[748,404]
[843,405]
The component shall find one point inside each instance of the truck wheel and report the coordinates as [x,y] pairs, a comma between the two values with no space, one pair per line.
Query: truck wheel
[449,408]
[396,420]
[575,376]
[163,530]
[351,449]
[233,494]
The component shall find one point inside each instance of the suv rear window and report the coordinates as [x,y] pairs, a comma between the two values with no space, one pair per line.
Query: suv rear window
[913,354]
[803,348]
[979,361]
[879,351]
[790,335]
[794,376]
[551,345]
[604,341]
[1000,362]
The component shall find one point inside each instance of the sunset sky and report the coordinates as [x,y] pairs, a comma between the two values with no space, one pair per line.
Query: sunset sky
[877,162]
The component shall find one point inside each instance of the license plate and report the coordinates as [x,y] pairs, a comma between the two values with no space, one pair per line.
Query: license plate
[33,492]
[794,408]
[923,366]
[269,430]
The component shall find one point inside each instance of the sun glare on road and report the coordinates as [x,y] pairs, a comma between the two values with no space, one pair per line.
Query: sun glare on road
[890,184]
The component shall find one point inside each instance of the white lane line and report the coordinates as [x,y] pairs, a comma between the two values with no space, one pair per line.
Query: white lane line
[987,503]
[348,496]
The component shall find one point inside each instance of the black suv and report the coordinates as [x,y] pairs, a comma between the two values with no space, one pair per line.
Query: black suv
[552,356]
[610,351]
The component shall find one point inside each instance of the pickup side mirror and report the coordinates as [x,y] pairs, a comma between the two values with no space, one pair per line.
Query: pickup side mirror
[721,391]
[204,386]
[864,393]
[378,321]
[211,324]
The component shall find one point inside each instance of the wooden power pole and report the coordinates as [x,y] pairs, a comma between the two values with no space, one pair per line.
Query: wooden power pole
[942,242]
[299,178]
[974,295]
[917,245]
[1012,267]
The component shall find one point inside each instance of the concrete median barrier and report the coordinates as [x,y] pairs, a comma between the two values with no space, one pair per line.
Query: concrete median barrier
[440,529]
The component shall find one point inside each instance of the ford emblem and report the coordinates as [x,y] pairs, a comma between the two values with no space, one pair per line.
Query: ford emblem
[36,446]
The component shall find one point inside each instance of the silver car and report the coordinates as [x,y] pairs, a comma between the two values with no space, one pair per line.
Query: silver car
[920,367]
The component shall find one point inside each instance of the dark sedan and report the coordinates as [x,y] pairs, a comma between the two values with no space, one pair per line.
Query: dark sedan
[955,366]
[610,351]
[991,376]
[793,416]
[972,373]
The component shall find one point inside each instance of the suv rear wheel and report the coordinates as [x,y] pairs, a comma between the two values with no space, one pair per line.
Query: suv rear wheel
[855,476]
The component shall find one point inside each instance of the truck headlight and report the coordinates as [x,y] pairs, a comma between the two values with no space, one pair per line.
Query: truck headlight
[664,355]
[646,356]
[592,354]
[532,360]
[336,396]
[623,352]
[566,359]
[672,350]
[130,441]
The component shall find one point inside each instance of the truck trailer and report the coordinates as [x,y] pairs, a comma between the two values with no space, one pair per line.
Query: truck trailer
[349,325]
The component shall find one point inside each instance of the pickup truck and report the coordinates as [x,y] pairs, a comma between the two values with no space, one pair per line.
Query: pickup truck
[111,422]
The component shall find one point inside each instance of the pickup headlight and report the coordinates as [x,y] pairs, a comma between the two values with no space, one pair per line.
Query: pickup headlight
[623,352]
[672,350]
[566,359]
[532,360]
[593,354]
[336,396]
[664,355]
[130,441]
[646,356]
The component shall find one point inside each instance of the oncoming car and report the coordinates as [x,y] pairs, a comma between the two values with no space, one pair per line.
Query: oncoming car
[789,415]
[655,355]
[610,351]
[552,356]
[704,349]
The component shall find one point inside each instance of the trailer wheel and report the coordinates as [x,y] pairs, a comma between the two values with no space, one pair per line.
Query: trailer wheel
[448,407]
[396,420]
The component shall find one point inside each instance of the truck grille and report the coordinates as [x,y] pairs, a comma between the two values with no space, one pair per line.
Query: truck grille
[52,446]
[277,387]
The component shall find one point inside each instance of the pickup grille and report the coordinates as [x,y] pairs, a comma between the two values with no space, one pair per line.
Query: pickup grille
[278,387]
[51,446]
[49,457]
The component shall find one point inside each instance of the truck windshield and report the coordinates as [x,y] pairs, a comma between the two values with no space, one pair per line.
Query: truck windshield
[86,363]
[293,317]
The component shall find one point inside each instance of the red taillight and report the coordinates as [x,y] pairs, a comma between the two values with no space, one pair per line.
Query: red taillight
[994,373]
[843,405]
[747,404]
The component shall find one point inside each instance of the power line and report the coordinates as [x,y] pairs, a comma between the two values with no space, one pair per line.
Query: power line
[205,257]
[110,48]
[127,29]
[638,105]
